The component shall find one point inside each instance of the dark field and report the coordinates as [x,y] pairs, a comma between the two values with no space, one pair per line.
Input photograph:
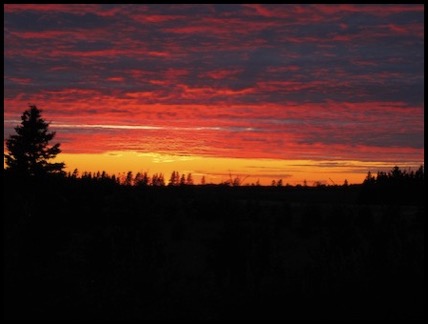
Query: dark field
[75,250]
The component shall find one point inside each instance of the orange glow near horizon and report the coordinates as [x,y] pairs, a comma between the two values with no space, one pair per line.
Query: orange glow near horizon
[218,170]
[264,92]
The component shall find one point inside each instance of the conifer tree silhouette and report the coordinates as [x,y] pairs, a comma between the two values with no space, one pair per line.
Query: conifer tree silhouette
[28,149]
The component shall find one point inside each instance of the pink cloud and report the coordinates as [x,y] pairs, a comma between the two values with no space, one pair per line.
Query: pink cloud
[376,10]
[283,82]
[79,9]
[24,81]
[222,73]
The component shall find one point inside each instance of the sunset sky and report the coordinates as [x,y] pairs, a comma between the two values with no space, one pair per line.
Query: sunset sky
[297,92]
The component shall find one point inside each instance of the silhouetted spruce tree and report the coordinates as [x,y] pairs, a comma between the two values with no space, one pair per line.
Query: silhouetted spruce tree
[189,179]
[129,179]
[158,180]
[138,179]
[146,179]
[75,173]
[174,180]
[182,180]
[141,179]
[29,149]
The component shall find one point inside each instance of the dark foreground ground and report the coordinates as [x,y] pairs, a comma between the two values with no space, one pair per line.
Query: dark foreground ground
[93,251]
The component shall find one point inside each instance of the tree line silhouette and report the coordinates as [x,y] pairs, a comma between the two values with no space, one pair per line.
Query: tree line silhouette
[395,186]
[29,155]
[100,246]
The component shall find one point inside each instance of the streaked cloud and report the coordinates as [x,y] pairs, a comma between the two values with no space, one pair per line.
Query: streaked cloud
[319,82]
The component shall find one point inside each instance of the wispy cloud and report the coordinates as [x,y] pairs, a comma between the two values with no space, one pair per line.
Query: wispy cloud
[263,81]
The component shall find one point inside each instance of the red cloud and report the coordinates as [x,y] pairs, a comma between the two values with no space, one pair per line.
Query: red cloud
[222,73]
[78,9]
[281,82]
